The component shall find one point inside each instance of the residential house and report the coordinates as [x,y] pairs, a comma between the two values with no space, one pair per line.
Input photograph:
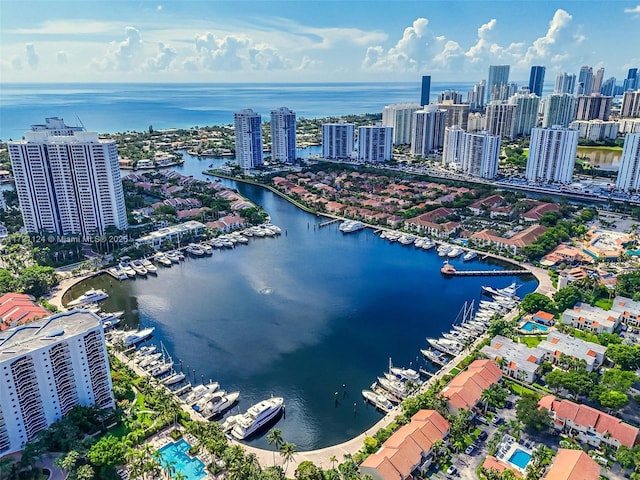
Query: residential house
[465,390]
[573,465]
[588,424]
[18,309]
[592,319]
[628,309]
[432,223]
[514,243]
[516,359]
[558,344]
[543,317]
[409,449]
[483,205]
[565,254]
[536,213]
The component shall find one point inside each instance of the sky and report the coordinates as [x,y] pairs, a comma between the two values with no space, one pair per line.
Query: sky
[311,40]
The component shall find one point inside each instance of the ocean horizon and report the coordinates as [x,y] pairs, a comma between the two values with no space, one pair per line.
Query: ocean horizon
[121,107]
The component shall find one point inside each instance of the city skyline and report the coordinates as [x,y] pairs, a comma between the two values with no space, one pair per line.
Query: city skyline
[294,41]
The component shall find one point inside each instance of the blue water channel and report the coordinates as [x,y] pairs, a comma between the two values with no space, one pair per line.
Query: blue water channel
[301,315]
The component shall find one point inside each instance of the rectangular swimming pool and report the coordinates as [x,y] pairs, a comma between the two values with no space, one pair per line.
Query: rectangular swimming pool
[520,458]
[174,455]
[533,326]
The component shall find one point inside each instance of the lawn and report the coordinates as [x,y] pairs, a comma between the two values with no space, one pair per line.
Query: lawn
[531,341]
[119,431]
[455,371]
[604,303]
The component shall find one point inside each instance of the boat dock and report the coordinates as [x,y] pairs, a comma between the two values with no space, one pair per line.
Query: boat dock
[485,273]
[329,222]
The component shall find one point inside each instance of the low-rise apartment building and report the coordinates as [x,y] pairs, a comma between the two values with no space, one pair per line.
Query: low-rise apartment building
[465,390]
[558,344]
[589,425]
[589,318]
[516,359]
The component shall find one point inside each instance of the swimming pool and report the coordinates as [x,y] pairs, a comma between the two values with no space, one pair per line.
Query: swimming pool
[520,458]
[175,456]
[533,326]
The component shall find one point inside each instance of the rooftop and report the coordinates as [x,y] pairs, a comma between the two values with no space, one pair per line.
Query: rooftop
[573,465]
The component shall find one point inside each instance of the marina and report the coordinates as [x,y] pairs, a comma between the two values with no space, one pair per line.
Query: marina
[300,313]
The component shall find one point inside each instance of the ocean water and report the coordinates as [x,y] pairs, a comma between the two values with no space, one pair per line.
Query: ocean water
[109,108]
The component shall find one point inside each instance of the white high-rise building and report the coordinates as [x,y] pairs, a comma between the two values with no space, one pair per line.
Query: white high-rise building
[525,116]
[248,132]
[565,83]
[453,142]
[476,97]
[399,116]
[629,174]
[48,367]
[68,181]
[552,154]
[596,129]
[480,155]
[375,143]
[559,109]
[585,80]
[338,140]
[500,117]
[283,135]
[428,130]
[452,96]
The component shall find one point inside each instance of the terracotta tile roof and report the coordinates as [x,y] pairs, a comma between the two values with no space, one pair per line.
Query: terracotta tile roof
[492,463]
[465,390]
[573,465]
[544,315]
[383,465]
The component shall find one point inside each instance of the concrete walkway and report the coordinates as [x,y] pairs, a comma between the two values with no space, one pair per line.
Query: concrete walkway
[56,293]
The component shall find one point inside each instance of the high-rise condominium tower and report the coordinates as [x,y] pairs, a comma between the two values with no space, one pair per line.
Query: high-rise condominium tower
[425,91]
[594,106]
[283,135]
[68,181]
[565,83]
[525,116]
[536,80]
[500,118]
[48,367]
[400,117]
[428,130]
[559,109]
[629,175]
[375,143]
[337,140]
[248,131]
[585,80]
[498,80]
[552,155]
[631,104]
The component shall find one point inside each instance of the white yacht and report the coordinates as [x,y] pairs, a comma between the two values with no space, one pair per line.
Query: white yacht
[443,250]
[404,374]
[173,379]
[349,226]
[257,416]
[146,350]
[406,239]
[173,256]
[455,252]
[126,268]
[134,337]
[161,369]
[162,259]
[195,250]
[206,249]
[151,268]
[428,244]
[219,405]
[117,273]
[378,400]
[139,268]
[393,386]
[89,296]
[470,255]
[200,391]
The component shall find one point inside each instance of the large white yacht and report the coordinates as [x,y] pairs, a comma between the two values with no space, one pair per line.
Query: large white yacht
[135,337]
[257,416]
[349,226]
[89,296]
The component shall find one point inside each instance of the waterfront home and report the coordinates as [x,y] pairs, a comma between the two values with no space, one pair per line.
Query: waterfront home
[409,449]
[565,254]
[558,344]
[485,204]
[171,234]
[516,359]
[536,213]
[465,390]
[591,319]
[587,424]
[18,309]
[543,317]
[514,243]
[628,310]
[573,465]
[432,223]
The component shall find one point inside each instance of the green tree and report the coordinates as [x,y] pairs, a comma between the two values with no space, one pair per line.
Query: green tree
[37,280]
[533,302]
[287,452]
[274,437]
[108,451]
[85,472]
[308,471]
[530,415]
[627,357]
[567,297]
[613,400]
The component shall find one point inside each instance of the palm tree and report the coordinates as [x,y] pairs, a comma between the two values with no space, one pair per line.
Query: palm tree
[333,461]
[287,452]
[274,437]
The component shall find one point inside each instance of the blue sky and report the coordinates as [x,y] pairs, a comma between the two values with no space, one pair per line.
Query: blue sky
[311,41]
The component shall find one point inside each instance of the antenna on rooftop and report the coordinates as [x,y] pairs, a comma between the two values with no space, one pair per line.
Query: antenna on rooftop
[80,122]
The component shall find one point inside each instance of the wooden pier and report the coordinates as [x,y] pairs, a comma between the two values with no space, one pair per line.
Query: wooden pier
[329,222]
[484,273]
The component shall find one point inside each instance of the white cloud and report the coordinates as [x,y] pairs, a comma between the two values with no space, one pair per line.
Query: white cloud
[68,27]
[159,8]
[32,57]
[123,56]
[555,36]
[162,60]
[635,10]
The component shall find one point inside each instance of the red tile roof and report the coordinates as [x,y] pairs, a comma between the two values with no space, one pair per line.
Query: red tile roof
[465,390]
[573,465]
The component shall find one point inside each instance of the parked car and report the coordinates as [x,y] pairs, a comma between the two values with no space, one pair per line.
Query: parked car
[452,470]
[469,450]
[483,435]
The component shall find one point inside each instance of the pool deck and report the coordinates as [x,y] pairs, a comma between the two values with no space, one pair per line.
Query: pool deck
[507,448]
